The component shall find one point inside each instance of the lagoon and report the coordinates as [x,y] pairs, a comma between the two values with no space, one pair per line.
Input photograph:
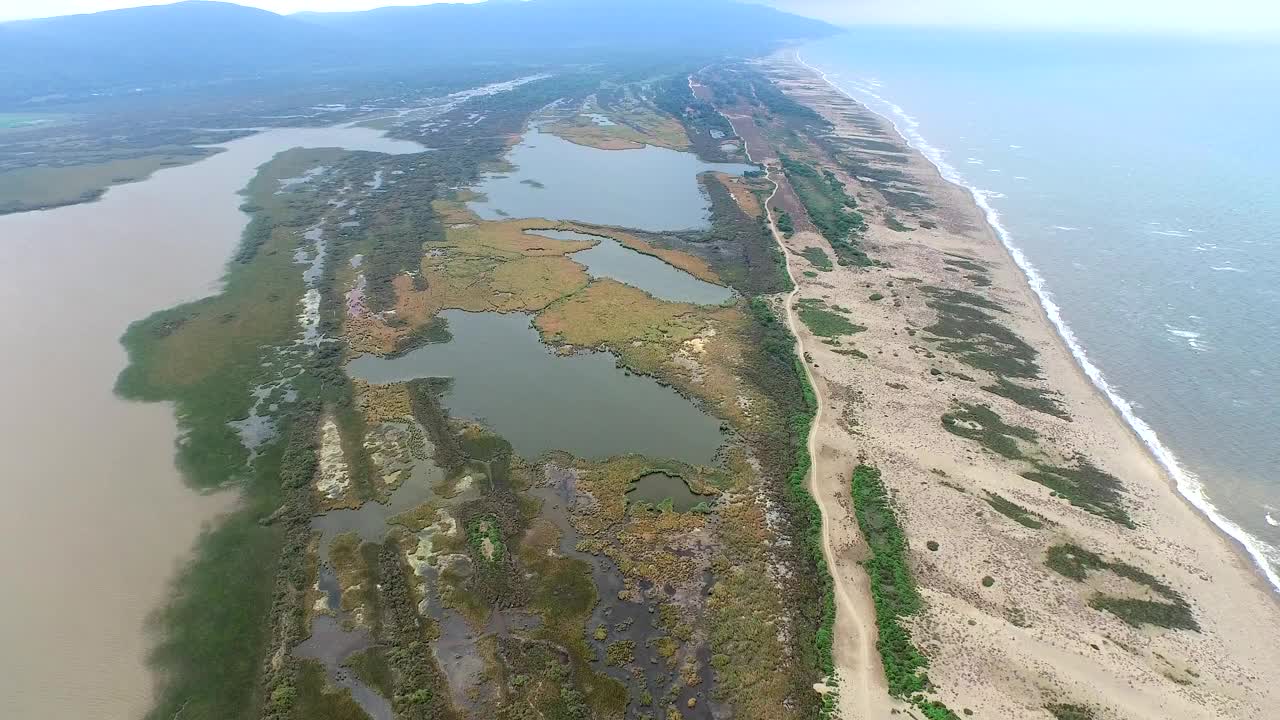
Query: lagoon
[650,188]
[612,259]
[505,377]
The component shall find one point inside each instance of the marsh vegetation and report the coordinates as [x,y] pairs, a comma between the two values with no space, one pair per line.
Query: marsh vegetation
[431,518]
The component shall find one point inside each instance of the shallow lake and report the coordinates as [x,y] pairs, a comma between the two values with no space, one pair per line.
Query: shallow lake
[504,376]
[650,188]
[656,488]
[92,477]
[613,260]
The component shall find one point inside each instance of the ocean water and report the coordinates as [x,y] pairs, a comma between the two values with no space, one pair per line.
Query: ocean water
[1137,181]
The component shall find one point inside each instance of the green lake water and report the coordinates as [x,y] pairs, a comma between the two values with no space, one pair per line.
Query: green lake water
[656,488]
[650,188]
[612,260]
[504,376]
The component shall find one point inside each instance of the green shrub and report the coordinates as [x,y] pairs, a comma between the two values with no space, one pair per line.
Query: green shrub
[785,223]
[818,258]
[825,323]
[1076,563]
[1015,512]
[1062,711]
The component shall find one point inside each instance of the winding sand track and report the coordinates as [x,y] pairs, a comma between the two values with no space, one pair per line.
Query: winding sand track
[859,679]
[863,693]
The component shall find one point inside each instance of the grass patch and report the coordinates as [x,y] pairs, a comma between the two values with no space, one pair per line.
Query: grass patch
[43,187]
[818,258]
[1083,484]
[215,628]
[967,328]
[806,507]
[740,245]
[1015,512]
[372,668]
[742,646]
[823,322]
[893,591]
[964,263]
[315,698]
[983,425]
[1064,711]
[620,653]
[830,209]
[635,122]
[1086,487]
[1045,401]
[1173,612]
[892,587]
[786,225]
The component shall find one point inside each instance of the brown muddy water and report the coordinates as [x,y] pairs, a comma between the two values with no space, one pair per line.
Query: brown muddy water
[96,518]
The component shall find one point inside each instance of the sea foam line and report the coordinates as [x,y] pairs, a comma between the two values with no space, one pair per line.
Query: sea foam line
[1187,482]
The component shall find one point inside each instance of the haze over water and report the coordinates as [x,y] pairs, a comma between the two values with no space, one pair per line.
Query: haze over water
[1138,177]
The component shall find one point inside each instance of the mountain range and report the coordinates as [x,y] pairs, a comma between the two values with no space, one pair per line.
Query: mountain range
[200,42]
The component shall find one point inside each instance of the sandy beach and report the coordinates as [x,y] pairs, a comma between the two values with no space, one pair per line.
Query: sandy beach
[1006,635]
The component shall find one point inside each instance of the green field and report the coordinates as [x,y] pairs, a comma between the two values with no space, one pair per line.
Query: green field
[38,188]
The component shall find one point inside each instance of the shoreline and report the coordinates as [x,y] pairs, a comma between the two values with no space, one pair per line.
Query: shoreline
[1186,484]
[1006,628]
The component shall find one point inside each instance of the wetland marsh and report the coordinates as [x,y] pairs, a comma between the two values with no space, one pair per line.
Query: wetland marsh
[463,448]
[99,468]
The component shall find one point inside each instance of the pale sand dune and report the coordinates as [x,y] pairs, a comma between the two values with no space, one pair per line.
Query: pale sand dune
[1064,651]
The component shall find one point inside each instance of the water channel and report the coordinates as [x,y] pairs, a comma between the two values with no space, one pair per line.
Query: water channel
[612,259]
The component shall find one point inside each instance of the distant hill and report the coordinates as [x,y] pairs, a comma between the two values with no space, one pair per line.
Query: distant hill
[201,42]
[193,42]
[557,25]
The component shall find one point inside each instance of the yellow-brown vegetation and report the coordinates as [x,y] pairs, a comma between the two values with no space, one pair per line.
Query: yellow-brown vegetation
[635,123]
[742,194]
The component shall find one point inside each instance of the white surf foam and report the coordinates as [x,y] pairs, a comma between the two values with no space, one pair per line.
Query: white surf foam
[1192,337]
[1188,484]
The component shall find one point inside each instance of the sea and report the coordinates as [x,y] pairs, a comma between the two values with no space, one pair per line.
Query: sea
[1136,180]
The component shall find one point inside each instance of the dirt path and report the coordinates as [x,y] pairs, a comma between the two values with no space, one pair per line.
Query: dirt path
[863,693]
[859,682]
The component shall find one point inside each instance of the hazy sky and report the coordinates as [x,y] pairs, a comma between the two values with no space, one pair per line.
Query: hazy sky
[1156,15]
